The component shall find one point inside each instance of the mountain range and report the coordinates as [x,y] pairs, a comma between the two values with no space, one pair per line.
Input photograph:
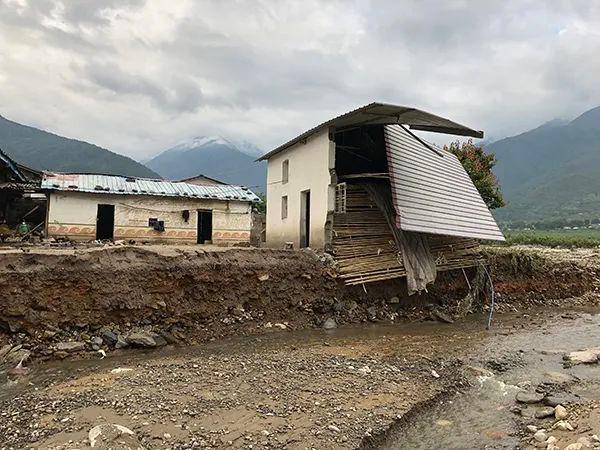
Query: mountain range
[215,156]
[42,150]
[552,171]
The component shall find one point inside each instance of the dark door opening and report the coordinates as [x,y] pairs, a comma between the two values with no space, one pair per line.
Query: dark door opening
[105,222]
[204,226]
[304,219]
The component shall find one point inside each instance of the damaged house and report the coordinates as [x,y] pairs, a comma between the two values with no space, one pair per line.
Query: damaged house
[85,207]
[385,203]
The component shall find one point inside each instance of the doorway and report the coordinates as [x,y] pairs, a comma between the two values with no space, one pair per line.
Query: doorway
[105,222]
[204,227]
[304,219]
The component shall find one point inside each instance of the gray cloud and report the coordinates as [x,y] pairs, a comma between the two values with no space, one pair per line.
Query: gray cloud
[137,76]
[178,94]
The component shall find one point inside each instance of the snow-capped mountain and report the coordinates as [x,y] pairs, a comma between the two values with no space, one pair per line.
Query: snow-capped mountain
[215,156]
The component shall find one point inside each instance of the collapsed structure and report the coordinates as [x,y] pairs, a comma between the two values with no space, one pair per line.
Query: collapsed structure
[93,206]
[385,203]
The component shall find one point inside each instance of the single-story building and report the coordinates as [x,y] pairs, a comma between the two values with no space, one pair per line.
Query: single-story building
[384,202]
[92,206]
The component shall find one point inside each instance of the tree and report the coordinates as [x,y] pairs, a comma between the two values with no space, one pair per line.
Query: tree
[261,207]
[478,165]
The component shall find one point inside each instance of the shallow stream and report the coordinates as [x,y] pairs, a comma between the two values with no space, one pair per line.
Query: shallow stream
[482,417]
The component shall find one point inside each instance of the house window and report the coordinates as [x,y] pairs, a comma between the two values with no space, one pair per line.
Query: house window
[284,207]
[285,171]
[340,198]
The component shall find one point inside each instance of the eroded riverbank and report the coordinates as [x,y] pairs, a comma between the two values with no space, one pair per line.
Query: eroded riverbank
[305,389]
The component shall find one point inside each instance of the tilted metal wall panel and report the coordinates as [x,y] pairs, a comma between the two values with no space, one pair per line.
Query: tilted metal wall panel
[432,192]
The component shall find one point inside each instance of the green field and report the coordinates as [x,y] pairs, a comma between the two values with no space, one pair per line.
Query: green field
[584,237]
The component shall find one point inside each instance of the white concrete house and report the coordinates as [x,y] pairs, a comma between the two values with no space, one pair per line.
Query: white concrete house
[354,181]
[91,206]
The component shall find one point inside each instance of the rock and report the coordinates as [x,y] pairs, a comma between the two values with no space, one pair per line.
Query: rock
[141,339]
[121,342]
[587,356]
[109,338]
[14,357]
[365,370]
[479,371]
[334,428]
[563,425]
[558,378]
[109,434]
[532,428]
[542,413]
[540,436]
[372,313]
[96,340]
[4,350]
[329,324]
[442,317]
[70,347]
[263,277]
[560,412]
[443,423]
[394,301]
[160,341]
[49,334]
[585,442]
[120,370]
[282,326]
[553,400]
[529,397]
[171,340]
[595,438]
[576,446]
[551,443]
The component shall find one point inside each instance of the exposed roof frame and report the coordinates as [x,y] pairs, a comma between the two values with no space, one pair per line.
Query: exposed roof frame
[385,114]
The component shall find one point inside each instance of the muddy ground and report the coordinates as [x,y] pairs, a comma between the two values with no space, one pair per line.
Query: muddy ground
[309,389]
[280,380]
[187,294]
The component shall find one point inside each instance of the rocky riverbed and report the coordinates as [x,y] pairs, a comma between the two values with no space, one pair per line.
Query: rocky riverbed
[341,388]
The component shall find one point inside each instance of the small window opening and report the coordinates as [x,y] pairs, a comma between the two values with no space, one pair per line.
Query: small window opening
[284,207]
[340,198]
[285,171]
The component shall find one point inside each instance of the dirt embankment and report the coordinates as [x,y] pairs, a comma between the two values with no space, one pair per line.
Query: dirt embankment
[98,298]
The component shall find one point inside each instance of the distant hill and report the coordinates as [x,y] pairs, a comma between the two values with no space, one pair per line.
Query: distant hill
[216,157]
[551,172]
[43,150]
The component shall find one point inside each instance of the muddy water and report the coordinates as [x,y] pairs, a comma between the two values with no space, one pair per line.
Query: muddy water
[482,417]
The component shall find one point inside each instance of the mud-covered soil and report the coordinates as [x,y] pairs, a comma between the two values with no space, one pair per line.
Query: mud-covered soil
[289,390]
[192,294]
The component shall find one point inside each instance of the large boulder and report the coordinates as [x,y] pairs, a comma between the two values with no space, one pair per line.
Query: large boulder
[70,346]
[141,339]
[529,397]
[587,356]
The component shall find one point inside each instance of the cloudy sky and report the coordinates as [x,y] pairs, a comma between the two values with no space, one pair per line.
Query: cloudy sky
[139,76]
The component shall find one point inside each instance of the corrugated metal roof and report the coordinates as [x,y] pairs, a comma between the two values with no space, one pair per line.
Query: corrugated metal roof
[432,192]
[12,167]
[112,184]
[382,113]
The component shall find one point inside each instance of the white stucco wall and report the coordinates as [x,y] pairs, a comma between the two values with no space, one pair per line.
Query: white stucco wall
[309,164]
[73,214]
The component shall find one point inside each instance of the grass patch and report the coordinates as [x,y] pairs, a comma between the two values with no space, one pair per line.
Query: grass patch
[555,238]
